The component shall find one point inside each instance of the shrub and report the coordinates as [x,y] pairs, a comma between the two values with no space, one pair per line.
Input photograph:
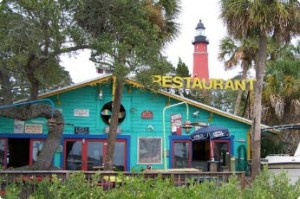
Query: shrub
[77,186]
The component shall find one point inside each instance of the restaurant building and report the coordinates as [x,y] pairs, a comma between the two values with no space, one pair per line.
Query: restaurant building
[156,128]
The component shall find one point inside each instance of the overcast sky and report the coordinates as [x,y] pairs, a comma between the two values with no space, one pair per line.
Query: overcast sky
[192,11]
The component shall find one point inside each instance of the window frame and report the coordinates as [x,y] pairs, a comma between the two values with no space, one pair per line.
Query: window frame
[214,142]
[159,151]
[31,148]
[84,148]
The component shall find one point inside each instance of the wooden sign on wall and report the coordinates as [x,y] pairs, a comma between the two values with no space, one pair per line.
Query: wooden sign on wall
[147,115]
[81,112]
[33,128]
[81,130]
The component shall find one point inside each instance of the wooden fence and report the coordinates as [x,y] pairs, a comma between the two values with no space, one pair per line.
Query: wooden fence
[108,179]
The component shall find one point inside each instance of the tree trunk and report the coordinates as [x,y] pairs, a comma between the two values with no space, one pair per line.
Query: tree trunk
[240,92]
[5,87]
[256,125]
[112,135]
[55,130]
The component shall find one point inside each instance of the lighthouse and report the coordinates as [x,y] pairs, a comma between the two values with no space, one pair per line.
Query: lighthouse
[200,56]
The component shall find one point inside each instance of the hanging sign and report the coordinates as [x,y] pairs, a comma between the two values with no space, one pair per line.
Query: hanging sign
[176,122]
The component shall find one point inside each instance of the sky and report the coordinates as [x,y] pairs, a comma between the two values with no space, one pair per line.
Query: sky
[208,11]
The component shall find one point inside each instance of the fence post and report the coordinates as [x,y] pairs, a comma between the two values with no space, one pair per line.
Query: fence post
[243,180]
[232,164]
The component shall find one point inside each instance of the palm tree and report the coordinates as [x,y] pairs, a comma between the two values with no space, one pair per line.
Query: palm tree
[258,18]
[236,53]
[281,94]
[281,89]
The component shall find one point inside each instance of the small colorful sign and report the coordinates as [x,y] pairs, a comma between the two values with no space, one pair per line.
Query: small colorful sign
[81,130]
[147,115]
[19,126]
[34,128]
[176,122]
[81,112]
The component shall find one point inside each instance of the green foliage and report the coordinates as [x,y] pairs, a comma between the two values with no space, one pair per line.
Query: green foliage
[76,186]
[260,19]
[12,191]
[230,190]
[281,91]
[244,18]
[33,34]
[220,99]
[182,69]
[237,52]
[281,78]
[127,35]
[266,185]
[269,146]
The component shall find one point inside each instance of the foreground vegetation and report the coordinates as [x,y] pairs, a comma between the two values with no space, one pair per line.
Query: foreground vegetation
[265,185]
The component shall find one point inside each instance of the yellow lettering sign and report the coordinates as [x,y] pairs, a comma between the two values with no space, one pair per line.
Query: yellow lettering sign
[229,85]
[197,83]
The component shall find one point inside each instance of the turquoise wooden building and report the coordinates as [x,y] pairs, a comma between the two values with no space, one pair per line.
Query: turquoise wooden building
[150,130]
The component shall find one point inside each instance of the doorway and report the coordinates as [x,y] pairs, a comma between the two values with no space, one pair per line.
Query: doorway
[18,152]
[220,150]
[200,154]
[203,152]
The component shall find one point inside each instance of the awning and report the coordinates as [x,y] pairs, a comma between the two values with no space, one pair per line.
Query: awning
[210,132]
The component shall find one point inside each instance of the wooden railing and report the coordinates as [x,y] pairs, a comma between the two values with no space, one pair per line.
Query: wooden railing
[109,179]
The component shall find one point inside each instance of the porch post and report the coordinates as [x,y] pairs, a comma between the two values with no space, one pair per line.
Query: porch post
[164,129]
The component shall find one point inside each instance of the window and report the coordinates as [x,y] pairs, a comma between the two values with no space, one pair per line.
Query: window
[149,150]
[17,152]
[37,146]
[86,154]
[74,155]
[95,154]
[119,156]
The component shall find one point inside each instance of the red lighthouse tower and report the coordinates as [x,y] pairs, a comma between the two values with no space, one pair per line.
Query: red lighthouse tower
[200,67]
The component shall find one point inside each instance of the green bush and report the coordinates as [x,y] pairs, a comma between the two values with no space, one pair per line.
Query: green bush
[75,187]
[12,191]
[266,185]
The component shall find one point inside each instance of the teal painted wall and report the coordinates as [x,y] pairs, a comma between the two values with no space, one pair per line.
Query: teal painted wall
[135,101]
[139,100]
